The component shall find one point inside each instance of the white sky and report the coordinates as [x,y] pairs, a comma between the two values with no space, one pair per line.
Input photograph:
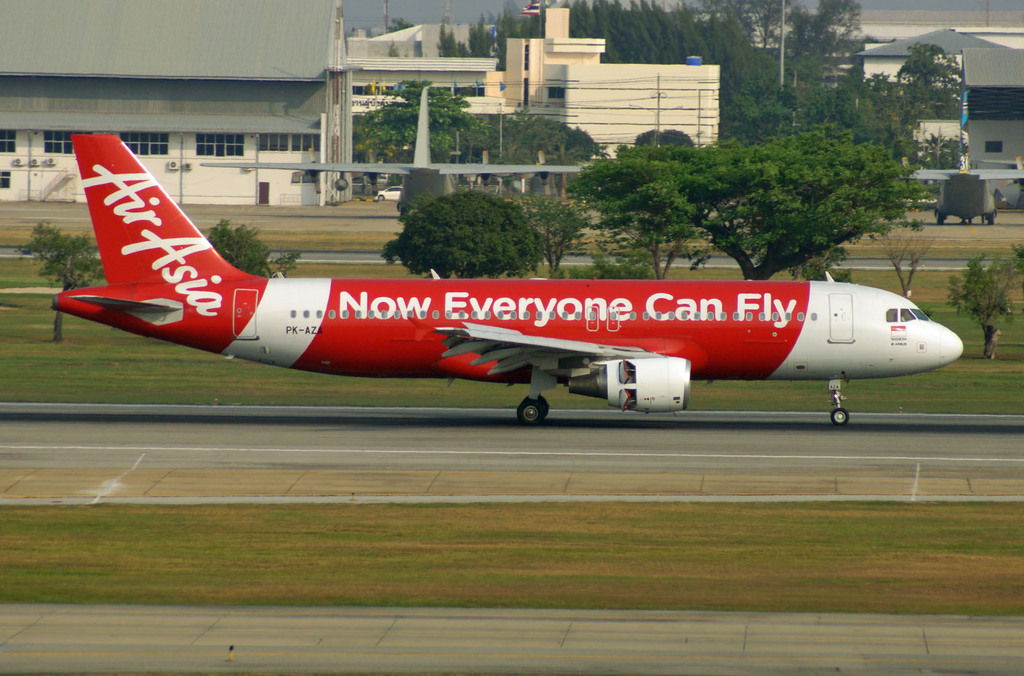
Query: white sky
[370,13]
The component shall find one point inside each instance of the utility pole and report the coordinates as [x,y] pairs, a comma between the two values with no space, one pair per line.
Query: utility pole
[657,117]
[781,47]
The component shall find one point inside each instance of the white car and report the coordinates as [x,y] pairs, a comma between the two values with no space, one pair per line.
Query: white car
[392,194]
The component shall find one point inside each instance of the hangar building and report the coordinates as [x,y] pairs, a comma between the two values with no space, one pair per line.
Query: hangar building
[181,81]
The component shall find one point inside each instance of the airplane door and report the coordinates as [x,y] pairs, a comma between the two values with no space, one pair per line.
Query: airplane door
[613,320]
[840,308]
[244,314]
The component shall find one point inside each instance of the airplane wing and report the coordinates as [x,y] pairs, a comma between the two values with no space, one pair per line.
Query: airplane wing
[982,174]
[477,169]
[367,167]
[404,169]
[512,350]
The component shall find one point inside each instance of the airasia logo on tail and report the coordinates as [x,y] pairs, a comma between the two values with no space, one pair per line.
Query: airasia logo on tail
[129,205]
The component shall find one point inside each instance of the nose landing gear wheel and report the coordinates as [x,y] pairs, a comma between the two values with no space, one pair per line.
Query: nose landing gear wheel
[840,416]
[532,411]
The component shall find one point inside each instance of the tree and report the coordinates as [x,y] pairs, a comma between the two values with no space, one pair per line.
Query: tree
[771,208]
[901,247]
[241,247]
[525,135]
[643,207]
[983,293]
[665,137]
[1018,261]
[69,261]
[560,224]
[390,131]
[466,234]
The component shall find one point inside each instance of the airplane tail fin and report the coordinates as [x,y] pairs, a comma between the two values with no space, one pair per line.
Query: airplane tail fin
[421,156]
[142,234]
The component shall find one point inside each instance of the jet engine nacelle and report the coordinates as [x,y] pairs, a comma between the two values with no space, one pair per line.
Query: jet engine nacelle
[655,385]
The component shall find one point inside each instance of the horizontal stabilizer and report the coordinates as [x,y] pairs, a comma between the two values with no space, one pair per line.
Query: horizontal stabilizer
[155,305]
[156,311]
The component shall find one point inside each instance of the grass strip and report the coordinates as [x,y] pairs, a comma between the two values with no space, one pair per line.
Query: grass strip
[100,364]
[832,557]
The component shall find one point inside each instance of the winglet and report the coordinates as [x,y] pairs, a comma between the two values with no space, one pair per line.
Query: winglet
[421,157]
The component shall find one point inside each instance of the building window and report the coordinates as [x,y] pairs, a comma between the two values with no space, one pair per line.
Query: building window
[993,146]
[146,143]
[7,141]
[274,143]
[220,145]
[5,179]
[58,142]
[303,142]
[284,142]
[303,177]
[556,92]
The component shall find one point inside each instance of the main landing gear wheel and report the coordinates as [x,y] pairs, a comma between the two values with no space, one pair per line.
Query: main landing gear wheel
[532,411]
[840,416]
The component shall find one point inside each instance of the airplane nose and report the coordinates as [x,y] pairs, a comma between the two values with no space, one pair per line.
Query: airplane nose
[950,346]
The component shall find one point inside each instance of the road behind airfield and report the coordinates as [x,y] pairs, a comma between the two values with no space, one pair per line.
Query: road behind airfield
[382,217]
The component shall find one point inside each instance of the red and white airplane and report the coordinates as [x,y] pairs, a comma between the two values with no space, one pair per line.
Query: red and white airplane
[636,344]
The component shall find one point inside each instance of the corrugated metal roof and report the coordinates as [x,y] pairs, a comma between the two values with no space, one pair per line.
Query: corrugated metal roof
[423,64]
[994,68]
[950,41]
[221,39]
[98,122]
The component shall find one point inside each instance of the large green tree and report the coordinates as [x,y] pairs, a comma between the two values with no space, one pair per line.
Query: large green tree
[983,292]
[69,261]
[772,208]
[242,247]
[466,234]
[390,131]
[641,199]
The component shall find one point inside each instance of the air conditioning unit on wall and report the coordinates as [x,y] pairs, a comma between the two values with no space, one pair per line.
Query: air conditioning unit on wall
[172,166]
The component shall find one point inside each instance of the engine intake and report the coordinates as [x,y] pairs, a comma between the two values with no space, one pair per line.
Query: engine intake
[655,385]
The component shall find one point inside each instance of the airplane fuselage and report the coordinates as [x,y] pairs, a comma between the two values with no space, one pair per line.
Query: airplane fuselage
[636,344]
[727,330]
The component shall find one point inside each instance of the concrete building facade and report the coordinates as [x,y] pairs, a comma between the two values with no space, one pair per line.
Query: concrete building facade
[563,78]
[181,81]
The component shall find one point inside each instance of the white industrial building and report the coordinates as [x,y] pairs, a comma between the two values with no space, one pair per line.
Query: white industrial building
[564,78]
[184,82]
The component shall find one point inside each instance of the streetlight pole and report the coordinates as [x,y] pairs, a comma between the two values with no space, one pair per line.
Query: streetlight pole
[782,45]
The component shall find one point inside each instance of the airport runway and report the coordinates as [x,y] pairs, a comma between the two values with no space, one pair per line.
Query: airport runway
[90,639]
[90,453]
[84,454]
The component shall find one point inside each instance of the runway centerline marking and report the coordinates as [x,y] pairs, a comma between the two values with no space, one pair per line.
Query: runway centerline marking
[507,453]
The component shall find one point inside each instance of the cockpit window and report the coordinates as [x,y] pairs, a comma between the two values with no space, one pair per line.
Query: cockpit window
[905,314]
